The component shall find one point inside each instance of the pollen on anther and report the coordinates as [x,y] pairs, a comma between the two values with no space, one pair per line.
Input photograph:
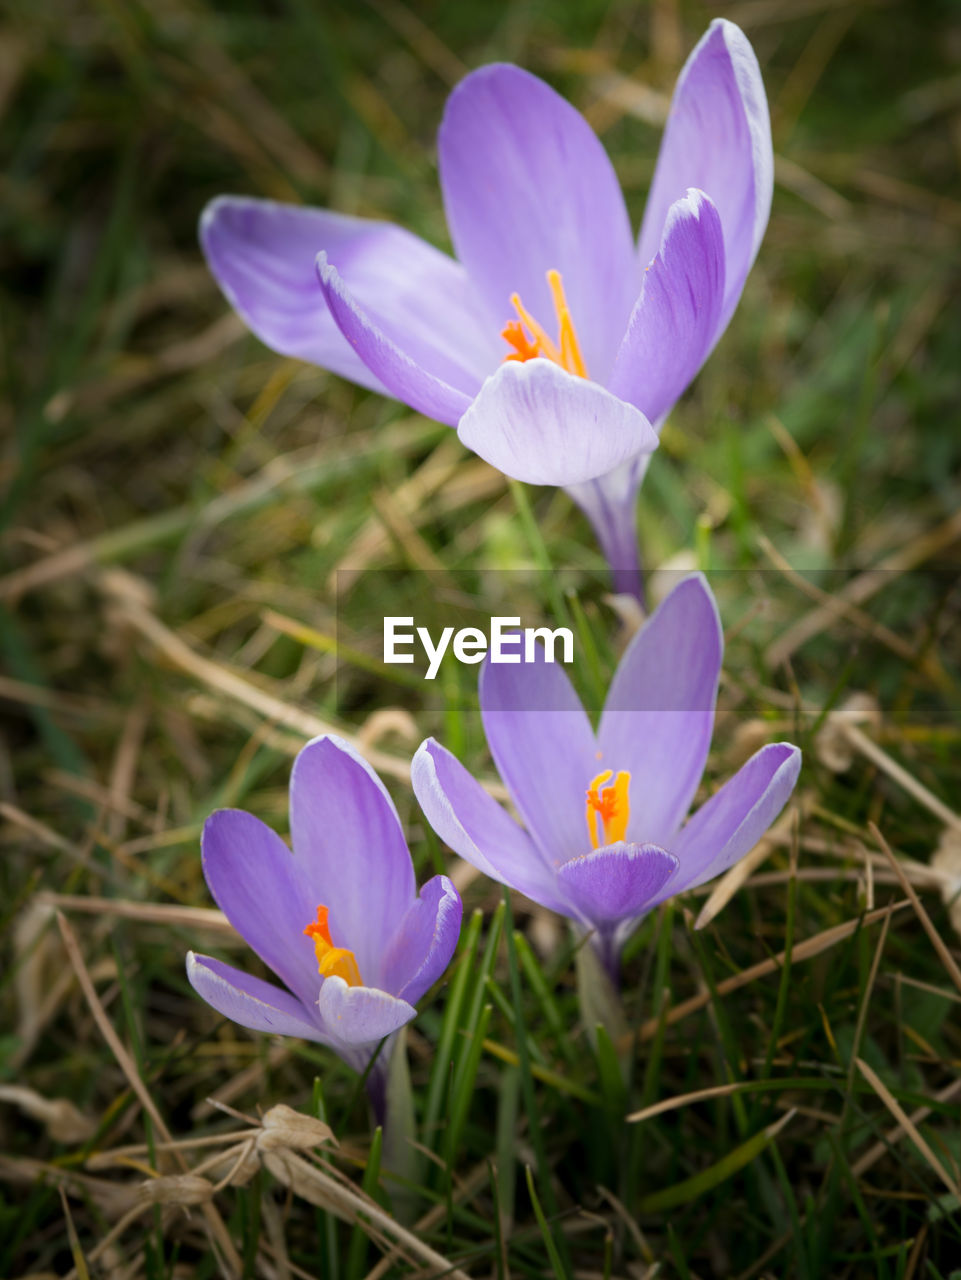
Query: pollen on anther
[332,961]
[608,807]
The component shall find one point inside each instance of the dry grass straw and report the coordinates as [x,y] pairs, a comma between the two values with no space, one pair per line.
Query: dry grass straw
[907,1125]
[862,587]
[219,1235]
[805,950]
[944,955]
[284,1143]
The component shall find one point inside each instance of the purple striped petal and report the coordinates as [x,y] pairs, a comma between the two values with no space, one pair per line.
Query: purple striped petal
[250,1001]
[430,381]
[718,138]
[477,828]
[731,823]
[538,423]
[424,942]
[659,712]
[618,882]
[263,255]
[257,883]
[528,188]
[360,1015]
[675,322]
[544,748]
[351,848]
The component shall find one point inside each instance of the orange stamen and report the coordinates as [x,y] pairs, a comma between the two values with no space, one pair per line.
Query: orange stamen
[571,357]
[332,961]
[530,340]
[611,805]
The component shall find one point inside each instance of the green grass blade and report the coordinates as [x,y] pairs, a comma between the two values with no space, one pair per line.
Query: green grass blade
[359,1241]
[558,1264]
[441,1074]
[691,1188]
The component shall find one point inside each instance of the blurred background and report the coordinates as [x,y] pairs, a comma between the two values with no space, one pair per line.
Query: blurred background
[181,511]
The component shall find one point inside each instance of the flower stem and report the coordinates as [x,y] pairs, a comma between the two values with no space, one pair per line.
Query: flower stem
[527,1080]
[610,504]
[375,1082]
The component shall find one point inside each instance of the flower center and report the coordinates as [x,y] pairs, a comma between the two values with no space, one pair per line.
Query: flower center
[529,340]
[336,962]
[609,806]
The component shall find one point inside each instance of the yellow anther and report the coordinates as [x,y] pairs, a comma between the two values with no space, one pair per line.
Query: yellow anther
[611,805]
[332,962]
[338,962]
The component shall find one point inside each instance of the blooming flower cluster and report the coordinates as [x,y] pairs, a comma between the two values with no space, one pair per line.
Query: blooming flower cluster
[604,838]
[556,344]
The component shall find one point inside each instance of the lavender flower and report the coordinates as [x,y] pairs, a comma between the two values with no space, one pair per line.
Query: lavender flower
[338,920]
[604,837]
[544,243]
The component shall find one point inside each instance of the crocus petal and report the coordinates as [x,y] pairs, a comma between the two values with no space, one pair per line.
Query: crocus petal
[351,848]
[477,828]
[263,255]
[536,422]
[424,942]
[360,1015]
[617,882]
[250,1001]
[731,823]
[255,881]
[674,324]
[528,187]
[544,748]
[659,711]
[718,138]
[429,381]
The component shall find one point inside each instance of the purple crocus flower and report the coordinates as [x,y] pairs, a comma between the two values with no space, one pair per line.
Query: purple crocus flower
[604,836]
[338,920]
[555,344]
